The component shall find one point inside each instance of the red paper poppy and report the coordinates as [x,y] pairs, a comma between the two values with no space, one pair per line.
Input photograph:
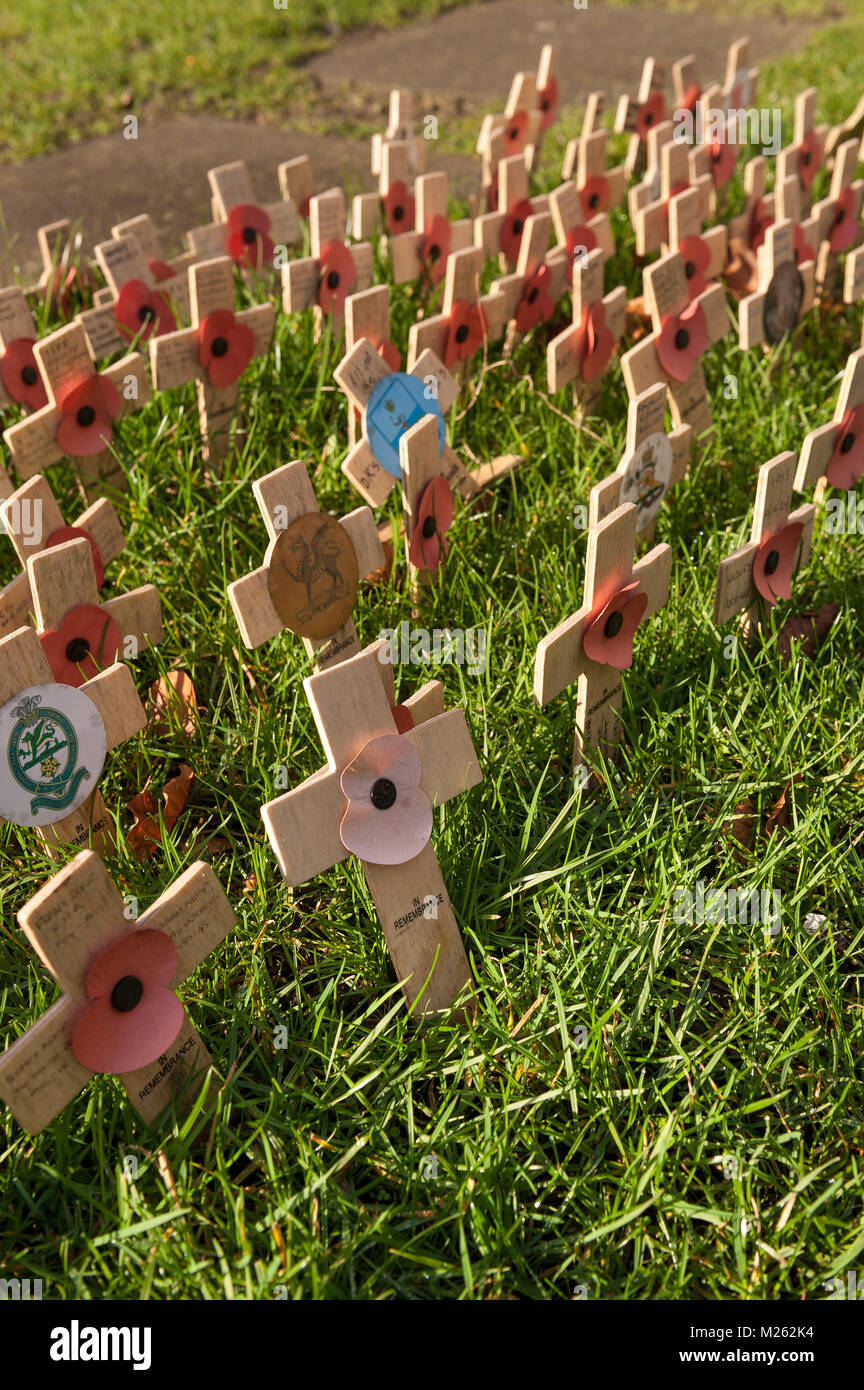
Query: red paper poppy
[465,332]
[435,248]
[513,226]
[85,643]
[608,638]
[388,351]
[226,347]
[86,410]
[594,342]
[697,258]
[402,718]
[775,562]
[160,270]
[536,305]
[248,240]
[722,161]
[336,275]
[803,250]
[594,195]
[434,519]
[759,224]
[846,464]
[388,816]
[134,1017]
[398,209]
[21,374]
[143,313]
[547,101]
[650,114]
[580,240]
[303,208]
[843,228]
[682,341]
[514,133]
[807,158]
[492,194]
[691,96]
[75,533]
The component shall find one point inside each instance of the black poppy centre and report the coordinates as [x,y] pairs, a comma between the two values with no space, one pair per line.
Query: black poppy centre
[772,560]
[690,269]
[594,200]
[250,236]
[126,994]
[86,416]
[461,332]
[613,624]
[847,442]
[682,339]
[429,528]
[146,312]
[78,650]
[29,375]
[383,794]
[219,347]
[333,280]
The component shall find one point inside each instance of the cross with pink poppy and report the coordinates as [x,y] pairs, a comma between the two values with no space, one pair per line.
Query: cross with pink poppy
[83,407]
[779,543]
[241,228]
[599,188]
[467,319]
[118,1012]
[582,353]
[215,351]
[20,382]
[682,330]
[640,114]
[806,155]
[500,233]
[324,279]
[837,218]
[595,645]
[310,576]
[832,455]
[367,315]
[541,279]
[785,289]
[574,231]
[33,522]
[395,198]
[135,308]
[375,799]
[54,740]
[400,126]
[423,254]
[654,462]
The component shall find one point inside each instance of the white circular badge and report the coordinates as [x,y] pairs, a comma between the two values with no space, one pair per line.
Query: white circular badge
[52,751]
[645,479]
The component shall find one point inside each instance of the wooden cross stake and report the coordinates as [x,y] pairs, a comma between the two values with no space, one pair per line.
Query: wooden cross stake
[425,252]
[400,126]
[309,826]
[21,386]
[654,462]
[785,292]
[241,228]
[653,218]
[333,271]
[831,455]
[466,321]
[214,351]
[161,266]
[515,131]
[82,408]
[582,353]
[134,307]
[837,218]
[638,115]
[54,740]
[64,266]
[500,233]
[76,920]
[309,579]
[541,279]
[367,315]
[779,543]
[806,155]
[606,619]
[575,230]
[747,230]
[704,253]
[395,197]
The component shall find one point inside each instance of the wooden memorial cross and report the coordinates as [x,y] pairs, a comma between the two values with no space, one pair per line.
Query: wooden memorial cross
[640,114]
[241,228]
[33,522]
[64,267]
[83,405]
[297,184]
[499,233]
[596,644]
[367,315]
[648,188]
[467,319]
[779,543]
[747,230]
[832,455]
[541,279]
[806,155]
[310,576]
[107,967]
[333,270]
[400,126]
[515,131]
[682,330]
[785,291]
[395,197]
[343,809]
[134,308]
[654,462]
[54,739]
[427,500]
[215,351]
[652,218]
[21,384]
[583,351]
[577,232]
[853,280]
[704,252]
[548,95]
[423,254]
[837,218]
[739,82]
[598,187]
[161,267]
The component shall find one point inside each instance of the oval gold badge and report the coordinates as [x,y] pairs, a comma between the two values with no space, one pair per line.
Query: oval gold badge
[313,576]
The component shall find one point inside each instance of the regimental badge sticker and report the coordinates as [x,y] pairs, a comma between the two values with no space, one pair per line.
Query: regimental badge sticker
[396,403]
[52,751]
[646,477]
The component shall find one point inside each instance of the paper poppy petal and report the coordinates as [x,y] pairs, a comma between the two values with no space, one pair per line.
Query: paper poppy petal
[398,209]
[143,313]
[784,543]
[514,133]
[594,195]
[106,1040]
[846,465]
[616,649]
[244,219]
[843,229]
[394,836]
[435,248]
[547,102]
[91,625]
[387,756]
[722,160]
[650,114]
[337,273]
[436,503]
[595,342]
[147,953]
[808,158]
[512,228]
[21,376]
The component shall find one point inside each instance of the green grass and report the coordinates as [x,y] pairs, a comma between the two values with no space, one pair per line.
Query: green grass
[655,1155]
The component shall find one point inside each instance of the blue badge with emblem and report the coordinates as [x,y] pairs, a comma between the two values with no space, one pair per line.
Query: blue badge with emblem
[397,402]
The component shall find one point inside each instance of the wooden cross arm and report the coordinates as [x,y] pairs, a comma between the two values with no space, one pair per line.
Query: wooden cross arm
[653,573]
[303,827]
[22,663]
[138,615]
[114,695]
[253,608]
[39,1073]
[367,475]
[362,531]
[73,916]
[16,604]
[853,276]
[447,753]
[197,916]
[559,659]
[33,442]
[132,381]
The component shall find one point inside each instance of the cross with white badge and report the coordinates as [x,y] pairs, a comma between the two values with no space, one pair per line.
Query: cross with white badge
[654,462]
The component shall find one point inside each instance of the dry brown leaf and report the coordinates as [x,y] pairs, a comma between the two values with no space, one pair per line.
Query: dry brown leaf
[809,629]
[146,834]
[172,703]
[742,822]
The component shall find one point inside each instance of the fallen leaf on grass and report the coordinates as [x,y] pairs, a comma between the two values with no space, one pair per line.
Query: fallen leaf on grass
[172,703]
[810,629]
[146,834]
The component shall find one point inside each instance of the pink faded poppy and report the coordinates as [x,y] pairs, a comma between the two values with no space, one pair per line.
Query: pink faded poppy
[593,342]
[143,313]
[846,464]
[775,562]
[87,408]
[75,533]
[465,332]
[434,248]
[514,132]
[536,305]
[579,241]
[594,195]
[650,114]
[807,158]
[608,638]
[248,240]
[336,275]
[843,228]
[683,339]
[160,270]
[803,250]
[398,205]
[697,258]
[21,376]
[134,1016]
[434,519]
[87,640]
[388,817]
[547,102]
[513,226]
[225,347]
[721,162]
